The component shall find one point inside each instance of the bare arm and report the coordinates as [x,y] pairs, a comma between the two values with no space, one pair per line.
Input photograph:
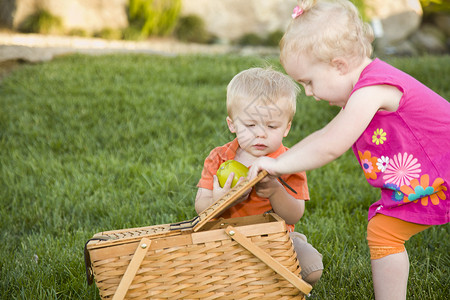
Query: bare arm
[336,137]
[283,204]
[203,200]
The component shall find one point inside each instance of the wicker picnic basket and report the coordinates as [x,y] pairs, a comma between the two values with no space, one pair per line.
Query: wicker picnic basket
[240,258]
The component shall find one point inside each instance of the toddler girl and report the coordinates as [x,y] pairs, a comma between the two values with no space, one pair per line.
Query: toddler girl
[398,128]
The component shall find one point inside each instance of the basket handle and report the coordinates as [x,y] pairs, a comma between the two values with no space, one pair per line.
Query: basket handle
[220,205]
[132,269]
[296,281]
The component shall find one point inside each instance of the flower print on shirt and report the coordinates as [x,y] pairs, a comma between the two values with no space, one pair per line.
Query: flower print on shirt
[402,169]
[397,195]
[379,136]
[424,191]
[382,163]
[369,164]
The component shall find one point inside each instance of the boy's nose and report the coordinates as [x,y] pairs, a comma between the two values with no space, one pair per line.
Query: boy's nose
[260,131]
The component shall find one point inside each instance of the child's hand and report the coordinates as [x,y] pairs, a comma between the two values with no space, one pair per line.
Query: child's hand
[218,191]
[263,163]
[267,187]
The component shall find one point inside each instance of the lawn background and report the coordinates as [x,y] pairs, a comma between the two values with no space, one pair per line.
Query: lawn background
[94,143]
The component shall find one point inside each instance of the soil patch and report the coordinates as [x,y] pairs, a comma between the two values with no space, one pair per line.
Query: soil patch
[8,66]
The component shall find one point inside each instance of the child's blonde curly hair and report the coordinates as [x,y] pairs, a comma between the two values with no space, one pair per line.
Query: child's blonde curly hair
[328,29]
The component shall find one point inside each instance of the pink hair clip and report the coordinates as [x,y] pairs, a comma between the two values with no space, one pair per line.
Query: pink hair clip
[297,12]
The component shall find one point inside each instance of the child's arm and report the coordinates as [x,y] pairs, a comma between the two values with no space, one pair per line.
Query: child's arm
[283,204]
[203,199]
[336,137]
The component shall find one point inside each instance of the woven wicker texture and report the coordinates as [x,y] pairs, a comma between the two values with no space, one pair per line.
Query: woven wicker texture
[135,232]
[213,270]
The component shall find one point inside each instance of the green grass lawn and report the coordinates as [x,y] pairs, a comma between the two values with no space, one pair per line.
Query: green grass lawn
[101,143]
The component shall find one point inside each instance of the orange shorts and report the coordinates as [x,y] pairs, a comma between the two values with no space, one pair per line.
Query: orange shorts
[387,235]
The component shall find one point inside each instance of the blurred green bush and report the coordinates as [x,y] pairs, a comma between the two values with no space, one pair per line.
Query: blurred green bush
[274,38]
[191,28]
[132,34]
[434,6]
[42,22]
[109,34]
[154,17]
[78,32]
[250,39]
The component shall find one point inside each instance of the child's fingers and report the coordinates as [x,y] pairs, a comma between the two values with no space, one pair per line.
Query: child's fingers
[227,185]
[240,179]
[262,163]
[229,181]
[251,173]
[254,170]
[247,191]
[216,184]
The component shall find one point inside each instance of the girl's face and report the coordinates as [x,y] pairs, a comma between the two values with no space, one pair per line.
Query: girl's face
[321,80]
[259,129]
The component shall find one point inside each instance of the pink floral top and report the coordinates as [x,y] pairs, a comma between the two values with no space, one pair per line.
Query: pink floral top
[406,153]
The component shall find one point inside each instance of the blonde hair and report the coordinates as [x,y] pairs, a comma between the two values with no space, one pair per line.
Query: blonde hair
[262,86]
[328,29]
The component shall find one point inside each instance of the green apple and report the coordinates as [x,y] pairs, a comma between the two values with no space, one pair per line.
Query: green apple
[229,166]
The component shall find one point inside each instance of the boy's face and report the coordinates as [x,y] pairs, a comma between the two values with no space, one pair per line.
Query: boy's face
[259,129]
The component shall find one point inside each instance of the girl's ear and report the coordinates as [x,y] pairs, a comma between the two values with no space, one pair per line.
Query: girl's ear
[231,125]
[288,128]
[341,65]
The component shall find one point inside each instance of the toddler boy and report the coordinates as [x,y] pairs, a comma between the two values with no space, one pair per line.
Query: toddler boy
[261,104]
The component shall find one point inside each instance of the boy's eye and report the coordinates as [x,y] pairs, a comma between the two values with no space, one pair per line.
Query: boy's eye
[250,125]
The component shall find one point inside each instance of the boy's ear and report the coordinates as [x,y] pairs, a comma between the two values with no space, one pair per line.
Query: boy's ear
[231,125]
[341,65]
[288,128]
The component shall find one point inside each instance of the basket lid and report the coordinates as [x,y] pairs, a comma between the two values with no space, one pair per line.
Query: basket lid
[224,202]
